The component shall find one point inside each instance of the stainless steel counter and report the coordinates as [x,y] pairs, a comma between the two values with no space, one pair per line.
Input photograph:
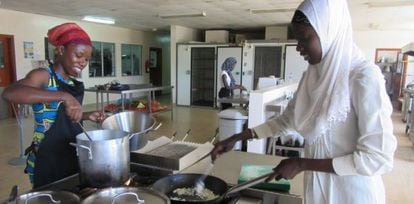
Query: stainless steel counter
[133,88]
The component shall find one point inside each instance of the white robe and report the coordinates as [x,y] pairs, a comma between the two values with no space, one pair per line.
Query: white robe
[362,147]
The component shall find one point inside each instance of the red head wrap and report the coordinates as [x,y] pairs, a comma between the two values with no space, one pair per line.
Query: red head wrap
[68,33]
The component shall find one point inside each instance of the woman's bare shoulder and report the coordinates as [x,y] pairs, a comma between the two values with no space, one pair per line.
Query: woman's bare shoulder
[36,77]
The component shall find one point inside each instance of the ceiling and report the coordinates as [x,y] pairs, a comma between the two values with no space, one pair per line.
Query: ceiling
[220,14]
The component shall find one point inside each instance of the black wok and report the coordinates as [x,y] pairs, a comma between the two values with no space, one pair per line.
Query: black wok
[168,184]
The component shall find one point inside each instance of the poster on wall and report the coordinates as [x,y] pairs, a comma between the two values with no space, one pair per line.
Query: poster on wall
[28,50]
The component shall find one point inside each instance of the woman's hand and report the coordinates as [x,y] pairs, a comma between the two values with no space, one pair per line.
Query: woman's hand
[96,116]
[72,107]
[287,169]
[223,147]
[227,144]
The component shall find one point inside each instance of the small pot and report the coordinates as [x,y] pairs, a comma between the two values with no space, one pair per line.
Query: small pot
[104,161]
[126,195]
[41,197]
[136,123]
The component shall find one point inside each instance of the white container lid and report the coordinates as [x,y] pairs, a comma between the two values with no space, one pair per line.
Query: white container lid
[235,114]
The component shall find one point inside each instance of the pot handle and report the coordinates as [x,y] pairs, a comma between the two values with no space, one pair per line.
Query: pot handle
[156,127]
[128,193]
[145,131]
[84,147]
[41,195]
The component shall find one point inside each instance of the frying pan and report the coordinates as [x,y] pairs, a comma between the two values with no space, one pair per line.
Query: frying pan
[168,184]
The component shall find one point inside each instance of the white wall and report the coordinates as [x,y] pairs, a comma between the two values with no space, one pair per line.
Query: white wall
[33,28]
[180,34]
[276,33]
[161,39]
[368,41]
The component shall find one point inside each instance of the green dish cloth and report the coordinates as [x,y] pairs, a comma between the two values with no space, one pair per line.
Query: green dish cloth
[250,171]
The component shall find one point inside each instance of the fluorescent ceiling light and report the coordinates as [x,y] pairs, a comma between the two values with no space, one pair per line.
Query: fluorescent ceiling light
[389,4]
[271,10]
[95,19]
[202,14]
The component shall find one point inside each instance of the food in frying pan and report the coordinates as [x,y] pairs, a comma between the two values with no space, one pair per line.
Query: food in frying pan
[185,194]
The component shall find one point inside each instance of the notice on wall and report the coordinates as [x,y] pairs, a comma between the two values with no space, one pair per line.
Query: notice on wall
[28,50]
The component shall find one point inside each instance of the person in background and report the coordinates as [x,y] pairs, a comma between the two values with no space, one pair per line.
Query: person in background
[56,98]
[341,108]
[388,80]
[228,81]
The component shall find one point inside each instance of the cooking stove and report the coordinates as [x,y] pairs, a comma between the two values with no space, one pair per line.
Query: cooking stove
[141,178]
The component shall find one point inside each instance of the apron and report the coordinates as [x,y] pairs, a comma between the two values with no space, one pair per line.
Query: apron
[55,158]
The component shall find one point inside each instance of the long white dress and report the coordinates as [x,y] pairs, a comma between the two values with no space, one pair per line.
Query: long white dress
[362,147]
[342,110]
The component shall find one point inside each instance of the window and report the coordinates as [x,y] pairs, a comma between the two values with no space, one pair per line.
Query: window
[131,59]
[102,63]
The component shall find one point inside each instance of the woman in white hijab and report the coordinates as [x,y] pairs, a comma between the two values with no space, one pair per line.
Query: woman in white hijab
[341,108]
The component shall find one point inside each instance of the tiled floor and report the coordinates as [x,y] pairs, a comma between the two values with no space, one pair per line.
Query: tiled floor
[203,123]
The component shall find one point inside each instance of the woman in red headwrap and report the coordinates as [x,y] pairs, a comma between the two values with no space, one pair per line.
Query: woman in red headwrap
[56,98]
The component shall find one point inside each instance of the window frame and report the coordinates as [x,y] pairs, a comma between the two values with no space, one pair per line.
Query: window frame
[132,68]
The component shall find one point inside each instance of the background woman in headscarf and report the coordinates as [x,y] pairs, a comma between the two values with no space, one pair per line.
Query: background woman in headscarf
[227,80]
[57,105]
[341,108]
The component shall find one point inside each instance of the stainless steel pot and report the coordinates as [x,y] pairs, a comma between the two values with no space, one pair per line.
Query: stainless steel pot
[41,197]
[136,123]
[104,161]
[126,195]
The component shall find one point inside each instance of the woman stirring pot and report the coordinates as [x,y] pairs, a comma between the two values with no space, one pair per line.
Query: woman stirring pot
[56,98]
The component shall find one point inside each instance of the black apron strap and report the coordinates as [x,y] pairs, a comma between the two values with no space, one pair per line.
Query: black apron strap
[55,158]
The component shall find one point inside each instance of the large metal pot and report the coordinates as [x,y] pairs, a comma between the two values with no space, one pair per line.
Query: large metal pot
[104,161]
[41,197]
[136,123]
[126,195]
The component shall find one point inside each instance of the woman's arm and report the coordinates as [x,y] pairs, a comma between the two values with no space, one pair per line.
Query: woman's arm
[376,144]
[29,89]
[236,86]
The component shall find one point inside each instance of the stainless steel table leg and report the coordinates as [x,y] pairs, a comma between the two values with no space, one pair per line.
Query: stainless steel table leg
[122,102]
[97,100]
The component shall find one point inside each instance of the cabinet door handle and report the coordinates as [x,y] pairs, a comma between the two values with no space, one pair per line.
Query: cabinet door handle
[188,72]
[237,73]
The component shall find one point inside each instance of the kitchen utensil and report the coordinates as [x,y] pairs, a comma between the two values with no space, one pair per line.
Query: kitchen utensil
[84,131]
[136,123]
[126,195]
[168,184]
[199,185]
[186,134]
[104,160]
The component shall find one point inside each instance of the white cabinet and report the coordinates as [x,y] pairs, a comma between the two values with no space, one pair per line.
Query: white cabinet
[196,74]
[263,58]
[295,64]
[183,74]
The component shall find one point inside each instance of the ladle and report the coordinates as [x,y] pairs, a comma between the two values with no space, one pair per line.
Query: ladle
[84,131]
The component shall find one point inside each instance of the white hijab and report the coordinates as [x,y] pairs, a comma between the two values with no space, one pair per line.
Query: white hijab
[323,98]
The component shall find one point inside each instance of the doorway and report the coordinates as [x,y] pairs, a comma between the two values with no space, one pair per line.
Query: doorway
[7,71]
[155,67]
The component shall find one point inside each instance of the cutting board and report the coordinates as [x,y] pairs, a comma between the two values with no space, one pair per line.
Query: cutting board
[250,171]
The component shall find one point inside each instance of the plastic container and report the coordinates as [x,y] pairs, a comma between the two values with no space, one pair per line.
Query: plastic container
[231,121]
